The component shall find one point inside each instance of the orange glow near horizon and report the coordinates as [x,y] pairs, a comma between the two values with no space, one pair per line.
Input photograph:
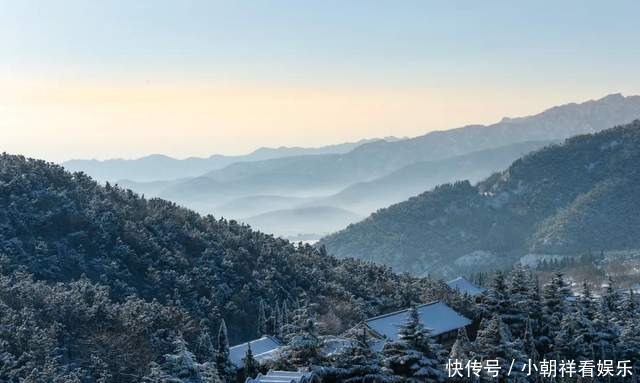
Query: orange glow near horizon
[59,120]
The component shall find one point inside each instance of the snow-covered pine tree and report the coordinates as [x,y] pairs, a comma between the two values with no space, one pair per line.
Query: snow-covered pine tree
[415,356]
[461,349]
[358,364]
[554,305]
[586,302]
[205,349]
[629,342]
[250,363]
[630,306]
[611,297]
[226,369]
[535,300]
[495,300]
[573,339]
[209,373]
[262,320]
[605,332]
[529,343]
[284,315]
[518,308]
[302,338]
[494,342]
[180,366]
[276,321]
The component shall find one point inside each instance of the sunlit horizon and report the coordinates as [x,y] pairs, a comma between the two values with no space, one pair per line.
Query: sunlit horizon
[124,80]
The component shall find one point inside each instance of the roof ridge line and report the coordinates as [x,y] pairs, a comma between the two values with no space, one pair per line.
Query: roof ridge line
[400,311]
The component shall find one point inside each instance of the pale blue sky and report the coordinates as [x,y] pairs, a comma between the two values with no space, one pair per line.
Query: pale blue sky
[415,57]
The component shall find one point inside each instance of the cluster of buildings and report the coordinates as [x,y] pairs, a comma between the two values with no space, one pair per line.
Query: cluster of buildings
[440,319]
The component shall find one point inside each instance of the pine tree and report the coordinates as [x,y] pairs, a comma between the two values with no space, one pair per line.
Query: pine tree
[262,320]
[359,364]
[586,302]
[611,297]
[205,348]
[415,356]
[302,338]
[519,305]
[574,338]
[529,343]
[250,363]
[629,343]
[554,305]
[209,373]
[226,369]
[605,332]
[495,301]
[494,342]
[276,320]
[180,366]
[461,349]
[629,308]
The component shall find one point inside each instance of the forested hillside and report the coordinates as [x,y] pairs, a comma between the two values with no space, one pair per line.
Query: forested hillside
[581,196]
[97,281]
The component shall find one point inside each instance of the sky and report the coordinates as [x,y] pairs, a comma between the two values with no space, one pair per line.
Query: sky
[123,79]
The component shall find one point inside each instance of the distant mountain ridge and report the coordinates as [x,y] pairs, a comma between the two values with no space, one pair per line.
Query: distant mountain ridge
[375,174]
[322,176]
[577,197]
[414,179]
[159,167]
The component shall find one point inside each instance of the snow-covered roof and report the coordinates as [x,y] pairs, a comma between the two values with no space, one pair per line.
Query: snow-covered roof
[435,316]
[282,377]
[261,349]
[464,286]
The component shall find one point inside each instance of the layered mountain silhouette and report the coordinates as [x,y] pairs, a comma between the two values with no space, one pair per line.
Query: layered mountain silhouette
[372,175]
[581,196]
[158,167]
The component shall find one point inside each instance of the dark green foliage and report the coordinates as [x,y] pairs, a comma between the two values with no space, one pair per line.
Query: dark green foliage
[103,280]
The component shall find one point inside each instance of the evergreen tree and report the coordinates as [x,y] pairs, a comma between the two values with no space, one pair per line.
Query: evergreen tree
[209,373]
[276,320]
[629,342]
[250,363]
[359,364]
[586,302]
[629,308]
[605,332]
[519,304]
[302,338]
[180,366]
[554,305]
[205,348]
[262,320]
[226,369]
[573,339]
[529,343]
[415,356]
[494,342]
[611,298]
[495,300]
[461,349]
